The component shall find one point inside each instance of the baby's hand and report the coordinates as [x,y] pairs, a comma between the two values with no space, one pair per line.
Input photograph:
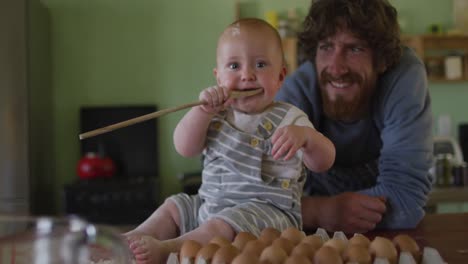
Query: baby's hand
[216,98]
[287,141]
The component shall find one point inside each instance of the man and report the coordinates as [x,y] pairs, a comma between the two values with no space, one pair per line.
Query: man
[369,96]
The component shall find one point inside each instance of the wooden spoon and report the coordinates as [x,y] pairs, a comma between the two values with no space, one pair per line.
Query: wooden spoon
[233,94]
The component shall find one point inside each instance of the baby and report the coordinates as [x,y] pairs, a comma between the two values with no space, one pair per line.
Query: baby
[253,147]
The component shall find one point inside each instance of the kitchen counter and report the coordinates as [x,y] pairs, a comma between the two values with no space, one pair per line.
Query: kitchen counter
[448,233]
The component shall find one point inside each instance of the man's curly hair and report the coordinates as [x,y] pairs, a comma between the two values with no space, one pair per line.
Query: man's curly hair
[374,21]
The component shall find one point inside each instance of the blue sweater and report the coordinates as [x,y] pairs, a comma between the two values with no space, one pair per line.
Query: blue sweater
[388,153]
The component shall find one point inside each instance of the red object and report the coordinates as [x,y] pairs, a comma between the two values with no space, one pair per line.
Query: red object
[93,166]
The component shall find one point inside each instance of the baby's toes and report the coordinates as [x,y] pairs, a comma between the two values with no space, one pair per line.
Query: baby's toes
[138,246]
[143,258]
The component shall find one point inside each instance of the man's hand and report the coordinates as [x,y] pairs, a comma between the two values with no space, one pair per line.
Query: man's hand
[348,212]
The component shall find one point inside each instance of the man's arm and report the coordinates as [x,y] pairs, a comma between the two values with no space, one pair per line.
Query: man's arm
[348,212]
[407,150]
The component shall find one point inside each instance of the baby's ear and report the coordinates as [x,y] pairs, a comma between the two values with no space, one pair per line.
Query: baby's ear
[283,73]
[215,73]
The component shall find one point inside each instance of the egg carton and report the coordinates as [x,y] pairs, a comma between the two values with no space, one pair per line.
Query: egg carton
[429,255]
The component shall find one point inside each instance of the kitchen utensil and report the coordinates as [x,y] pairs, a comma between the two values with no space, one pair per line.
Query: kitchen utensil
[233,94]
[48,240]
[93,166]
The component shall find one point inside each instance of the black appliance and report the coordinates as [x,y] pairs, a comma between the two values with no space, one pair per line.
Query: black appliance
[463,139]
[132,194]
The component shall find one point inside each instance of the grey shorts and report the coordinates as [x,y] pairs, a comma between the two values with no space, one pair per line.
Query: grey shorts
[250,216]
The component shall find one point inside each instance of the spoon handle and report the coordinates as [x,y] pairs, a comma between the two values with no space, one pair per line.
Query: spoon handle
[102,130]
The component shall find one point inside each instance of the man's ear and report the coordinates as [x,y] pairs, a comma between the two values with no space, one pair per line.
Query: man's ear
[381,67]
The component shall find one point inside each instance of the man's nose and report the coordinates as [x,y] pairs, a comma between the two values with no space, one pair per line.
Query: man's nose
[248,74]
[337,65]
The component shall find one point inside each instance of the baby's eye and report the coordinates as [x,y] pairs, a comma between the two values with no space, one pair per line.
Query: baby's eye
[261,64]
[233,66]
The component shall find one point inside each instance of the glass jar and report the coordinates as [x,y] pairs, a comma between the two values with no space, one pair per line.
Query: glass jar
[48,240]
[443,170]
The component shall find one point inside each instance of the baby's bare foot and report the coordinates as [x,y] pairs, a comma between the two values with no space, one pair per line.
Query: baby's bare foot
[148,250]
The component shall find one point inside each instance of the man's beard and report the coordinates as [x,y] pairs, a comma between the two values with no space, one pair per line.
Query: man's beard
[347,110]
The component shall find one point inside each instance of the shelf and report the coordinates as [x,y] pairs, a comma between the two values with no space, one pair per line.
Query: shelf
[433,49]
[444,80]
[445,41]
[423,43]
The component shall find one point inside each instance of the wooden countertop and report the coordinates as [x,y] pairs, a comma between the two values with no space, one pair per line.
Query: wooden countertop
[448,233]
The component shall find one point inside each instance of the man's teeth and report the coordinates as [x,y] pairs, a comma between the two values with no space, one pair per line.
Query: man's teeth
[339,84]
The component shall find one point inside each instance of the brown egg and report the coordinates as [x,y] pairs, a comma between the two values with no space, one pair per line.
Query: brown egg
[314,240]
[189,250]
[296,259]
[255,247]
[406,243]
[327,255]
[221,241]
[246,258]
[357,253]
[382,247]
[360,240]
[206,252]
[337,243]
[269,234]
[242,238]
[225,254]
[304,249]
[283,243]
[293,234]
[273,255]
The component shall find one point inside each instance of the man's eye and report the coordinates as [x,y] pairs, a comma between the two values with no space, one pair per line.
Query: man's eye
[233,66]
[324,47]
[261,64]
[357,49]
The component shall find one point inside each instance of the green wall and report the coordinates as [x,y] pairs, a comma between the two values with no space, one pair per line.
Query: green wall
[122,52]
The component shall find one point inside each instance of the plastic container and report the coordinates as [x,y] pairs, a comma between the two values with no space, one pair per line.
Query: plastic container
[429,255]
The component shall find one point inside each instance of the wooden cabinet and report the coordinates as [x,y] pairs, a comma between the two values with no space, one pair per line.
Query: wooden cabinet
[448,200]
[290,53]
[445,56]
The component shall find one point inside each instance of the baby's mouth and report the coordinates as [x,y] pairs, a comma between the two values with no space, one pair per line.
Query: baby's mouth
[248,89]
[241,93]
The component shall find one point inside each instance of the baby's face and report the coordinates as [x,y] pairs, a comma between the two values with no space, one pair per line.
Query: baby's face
[250,57]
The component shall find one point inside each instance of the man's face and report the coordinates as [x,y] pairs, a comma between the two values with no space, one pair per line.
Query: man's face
[346,74]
